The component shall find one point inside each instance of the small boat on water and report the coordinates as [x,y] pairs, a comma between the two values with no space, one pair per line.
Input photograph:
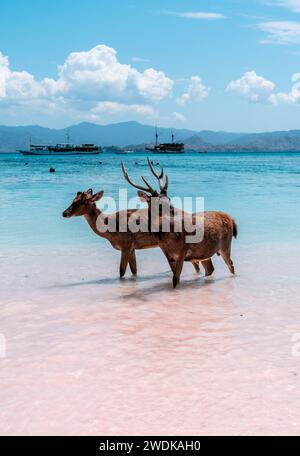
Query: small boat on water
[166,148]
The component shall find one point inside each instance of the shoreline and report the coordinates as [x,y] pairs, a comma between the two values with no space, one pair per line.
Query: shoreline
[187,151]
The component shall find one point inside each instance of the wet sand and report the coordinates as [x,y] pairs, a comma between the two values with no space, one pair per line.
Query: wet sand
[87,353]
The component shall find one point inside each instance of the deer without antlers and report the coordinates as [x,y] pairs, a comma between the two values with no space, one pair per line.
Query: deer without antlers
[84,204]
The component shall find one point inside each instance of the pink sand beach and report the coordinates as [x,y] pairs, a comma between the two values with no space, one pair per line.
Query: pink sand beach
[87,353]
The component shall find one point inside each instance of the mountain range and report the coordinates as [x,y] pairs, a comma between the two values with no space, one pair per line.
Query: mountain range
[136,135]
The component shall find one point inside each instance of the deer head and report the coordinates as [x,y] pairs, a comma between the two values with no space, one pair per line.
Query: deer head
[147,193]
[82,204]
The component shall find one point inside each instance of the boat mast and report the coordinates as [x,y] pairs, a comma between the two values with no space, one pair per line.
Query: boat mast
[68,137]
[172,136]
[156,136]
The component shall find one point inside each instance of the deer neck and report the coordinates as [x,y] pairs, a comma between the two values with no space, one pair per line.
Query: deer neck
[91,217]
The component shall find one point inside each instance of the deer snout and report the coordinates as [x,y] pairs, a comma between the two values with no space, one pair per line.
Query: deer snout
[67,213]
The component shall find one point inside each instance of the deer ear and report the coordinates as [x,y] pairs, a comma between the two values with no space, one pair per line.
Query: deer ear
[97,196]
[143,197]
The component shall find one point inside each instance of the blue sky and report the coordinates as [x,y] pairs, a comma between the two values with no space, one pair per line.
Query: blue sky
[221,65]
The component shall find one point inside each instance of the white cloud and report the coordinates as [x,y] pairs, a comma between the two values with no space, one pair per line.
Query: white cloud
[195,91]
[200,15]
[253,87]
[281,32]
[17,84]
[88,82]
[153,85]
[258,89]
[98,74]
[293,5]
[110,108]
[178,117]
[291,97]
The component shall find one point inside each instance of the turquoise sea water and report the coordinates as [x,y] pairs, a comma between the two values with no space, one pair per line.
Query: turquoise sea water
[261,190]
[84,352]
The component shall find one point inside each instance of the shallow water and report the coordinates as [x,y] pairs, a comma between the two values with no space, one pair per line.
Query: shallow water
[87,353]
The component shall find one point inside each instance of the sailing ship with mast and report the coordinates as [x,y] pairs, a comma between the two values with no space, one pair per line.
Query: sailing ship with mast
[166,148]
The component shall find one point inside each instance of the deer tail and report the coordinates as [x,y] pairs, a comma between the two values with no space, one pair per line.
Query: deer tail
[234,228]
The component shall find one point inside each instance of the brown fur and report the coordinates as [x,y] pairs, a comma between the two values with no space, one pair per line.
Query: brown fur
[219,228]
[84,204]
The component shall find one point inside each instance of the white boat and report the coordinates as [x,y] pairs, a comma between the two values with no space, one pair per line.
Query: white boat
[62,149]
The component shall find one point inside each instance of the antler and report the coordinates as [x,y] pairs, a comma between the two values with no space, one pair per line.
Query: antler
[163,186]
[149,189]
[165,189]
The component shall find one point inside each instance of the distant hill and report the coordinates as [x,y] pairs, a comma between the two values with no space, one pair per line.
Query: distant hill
[119,134]
[268,137]
[195,140]
[274,141]
[219,137]
[133,133]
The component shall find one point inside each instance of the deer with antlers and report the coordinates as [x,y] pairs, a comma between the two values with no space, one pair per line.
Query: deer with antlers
[162,201]
[218,230]
[84,204]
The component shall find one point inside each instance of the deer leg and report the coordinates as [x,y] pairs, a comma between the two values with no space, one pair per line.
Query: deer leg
[124,262]
[208,266]
[226,255]
[132,263]
[172,264]
[171,261]
[177,273]
[178,269]
[196,265]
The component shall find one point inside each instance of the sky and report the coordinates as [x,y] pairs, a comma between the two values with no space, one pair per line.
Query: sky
[229,65]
